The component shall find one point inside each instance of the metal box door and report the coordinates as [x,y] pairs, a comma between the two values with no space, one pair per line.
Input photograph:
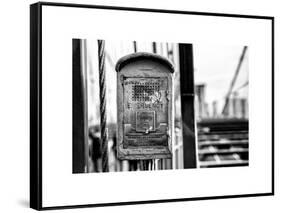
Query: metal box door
[144,107]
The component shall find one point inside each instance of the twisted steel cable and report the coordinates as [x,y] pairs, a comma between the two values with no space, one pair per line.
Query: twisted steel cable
[102,84]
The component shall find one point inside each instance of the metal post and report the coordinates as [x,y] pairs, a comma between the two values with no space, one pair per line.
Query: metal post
[187,105]
[102,84]
[135,46]
[84,77]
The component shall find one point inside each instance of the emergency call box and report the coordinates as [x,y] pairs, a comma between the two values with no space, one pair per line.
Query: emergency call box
[144,107]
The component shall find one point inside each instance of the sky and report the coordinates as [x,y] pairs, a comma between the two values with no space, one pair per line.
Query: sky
[215,65]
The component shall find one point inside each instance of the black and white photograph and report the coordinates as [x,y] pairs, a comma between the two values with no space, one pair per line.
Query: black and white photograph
[141,106]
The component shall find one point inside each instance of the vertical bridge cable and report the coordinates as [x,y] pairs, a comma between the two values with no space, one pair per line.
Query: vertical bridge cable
[224,111]
[102,84]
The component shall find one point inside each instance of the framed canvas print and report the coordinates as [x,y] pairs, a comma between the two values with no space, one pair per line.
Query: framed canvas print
[135,105]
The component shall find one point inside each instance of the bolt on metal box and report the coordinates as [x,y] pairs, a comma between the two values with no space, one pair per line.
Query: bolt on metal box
[144,107]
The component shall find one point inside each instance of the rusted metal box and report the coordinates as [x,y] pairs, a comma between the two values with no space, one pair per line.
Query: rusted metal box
[145,106]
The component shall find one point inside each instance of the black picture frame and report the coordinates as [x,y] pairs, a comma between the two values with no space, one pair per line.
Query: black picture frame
[36,102]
